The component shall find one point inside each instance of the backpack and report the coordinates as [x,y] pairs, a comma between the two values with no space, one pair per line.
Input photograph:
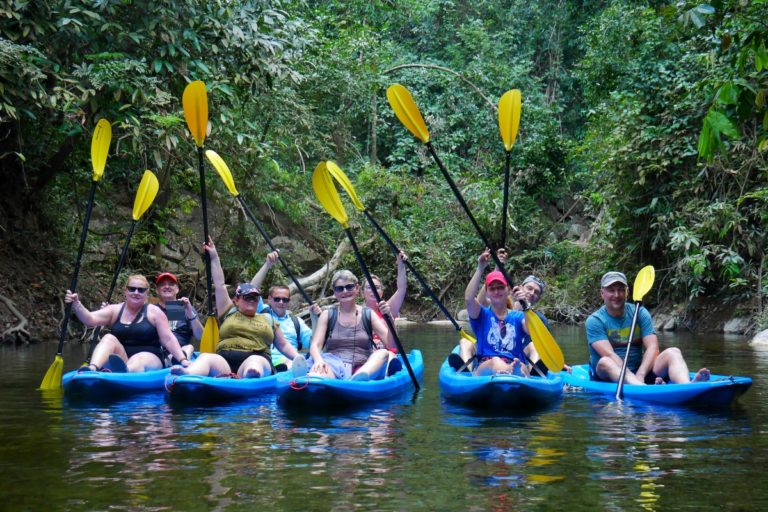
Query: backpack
[333,315]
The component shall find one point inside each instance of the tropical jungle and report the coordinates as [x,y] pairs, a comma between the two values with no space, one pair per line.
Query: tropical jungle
[643,140]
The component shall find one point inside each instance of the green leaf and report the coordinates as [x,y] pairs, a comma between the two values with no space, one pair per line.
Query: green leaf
[728,94]
[720,123]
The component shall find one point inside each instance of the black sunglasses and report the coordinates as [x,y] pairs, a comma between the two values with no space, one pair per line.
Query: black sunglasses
[348,287]
[134,289]
[284,300]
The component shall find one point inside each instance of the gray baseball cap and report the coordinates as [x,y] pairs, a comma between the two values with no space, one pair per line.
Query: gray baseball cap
[613,277]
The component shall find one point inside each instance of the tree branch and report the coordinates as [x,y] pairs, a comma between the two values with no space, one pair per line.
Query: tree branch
[490,103]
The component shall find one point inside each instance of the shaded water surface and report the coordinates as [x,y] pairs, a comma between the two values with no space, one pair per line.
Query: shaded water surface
[585,453]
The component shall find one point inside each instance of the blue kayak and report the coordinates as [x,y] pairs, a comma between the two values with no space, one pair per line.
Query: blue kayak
[104,386]
[320,394]
[197,389]
[718,391]
[499,392]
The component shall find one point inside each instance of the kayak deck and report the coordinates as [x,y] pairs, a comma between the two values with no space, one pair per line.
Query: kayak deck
[103,386]
[718,391]
[318,393]
[499,392]
[198,389]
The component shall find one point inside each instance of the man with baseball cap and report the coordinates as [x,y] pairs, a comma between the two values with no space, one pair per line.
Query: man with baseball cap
[607,335]
[500,332]
[186,326]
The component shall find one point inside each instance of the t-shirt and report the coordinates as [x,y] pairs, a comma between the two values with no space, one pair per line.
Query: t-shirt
[602,326]
[289,332]
[499,338]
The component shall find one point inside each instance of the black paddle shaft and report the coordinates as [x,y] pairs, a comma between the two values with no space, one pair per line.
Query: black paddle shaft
[415,273]
[463,203]
[503,237]
[112,285]
[73,283]
[272,246]
[387,318]
[206,256]
[620,385]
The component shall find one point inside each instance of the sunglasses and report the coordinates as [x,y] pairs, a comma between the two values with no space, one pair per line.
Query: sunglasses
[348,287]
[134,289]
[284,300]
[502,329]
[250,298]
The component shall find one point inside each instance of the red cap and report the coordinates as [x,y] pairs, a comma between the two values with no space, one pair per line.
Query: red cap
[496,275]
[166,275]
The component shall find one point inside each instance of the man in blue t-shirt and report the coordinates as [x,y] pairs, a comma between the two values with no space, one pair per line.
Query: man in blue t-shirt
[277,305]
[607,334]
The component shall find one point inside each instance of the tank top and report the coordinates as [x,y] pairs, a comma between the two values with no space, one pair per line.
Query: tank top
[139,335]
[351,344]
[247,333]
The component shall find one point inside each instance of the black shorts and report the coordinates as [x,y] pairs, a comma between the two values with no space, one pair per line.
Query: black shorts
[236,357]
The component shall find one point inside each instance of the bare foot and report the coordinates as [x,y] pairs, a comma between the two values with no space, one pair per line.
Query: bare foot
[518,368]
[701,375]
[177,369]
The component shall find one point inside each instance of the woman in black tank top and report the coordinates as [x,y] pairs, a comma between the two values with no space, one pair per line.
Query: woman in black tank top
[139,334]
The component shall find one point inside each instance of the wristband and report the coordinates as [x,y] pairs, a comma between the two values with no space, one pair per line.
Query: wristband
[193,317]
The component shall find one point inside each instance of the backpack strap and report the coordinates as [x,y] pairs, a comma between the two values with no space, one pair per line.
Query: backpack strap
[297,326]
[333,315]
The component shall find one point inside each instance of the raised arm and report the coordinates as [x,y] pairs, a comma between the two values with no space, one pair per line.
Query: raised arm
[102,317]
[470,294]
[396,300]
[269,262]
[223,302]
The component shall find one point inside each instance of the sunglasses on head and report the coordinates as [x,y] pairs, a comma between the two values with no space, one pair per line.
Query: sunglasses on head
[284,300]
[134,289]
[348,287]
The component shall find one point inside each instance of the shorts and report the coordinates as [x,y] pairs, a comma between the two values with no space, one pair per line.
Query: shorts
[341,370]
[650,377]
[235,358]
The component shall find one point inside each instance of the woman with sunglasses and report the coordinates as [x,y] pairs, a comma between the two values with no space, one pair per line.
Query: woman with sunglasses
[245,335]
[346,350]
[139,331]
[501,333]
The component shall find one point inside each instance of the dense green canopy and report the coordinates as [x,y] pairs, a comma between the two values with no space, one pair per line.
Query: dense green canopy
[643,135]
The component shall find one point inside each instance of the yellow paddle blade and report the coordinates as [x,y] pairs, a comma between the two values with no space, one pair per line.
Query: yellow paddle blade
[195,103]
[545,344]
[223,170]
[342,179]
[146,194]
[210,337]
[326,193]
[466,336]
[52,378]
[643,283]
[407,112]
[509,117]
[102,137]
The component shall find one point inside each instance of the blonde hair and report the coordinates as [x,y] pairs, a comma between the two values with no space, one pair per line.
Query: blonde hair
[138,277]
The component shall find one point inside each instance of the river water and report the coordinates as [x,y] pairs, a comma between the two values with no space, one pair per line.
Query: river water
[583,454]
